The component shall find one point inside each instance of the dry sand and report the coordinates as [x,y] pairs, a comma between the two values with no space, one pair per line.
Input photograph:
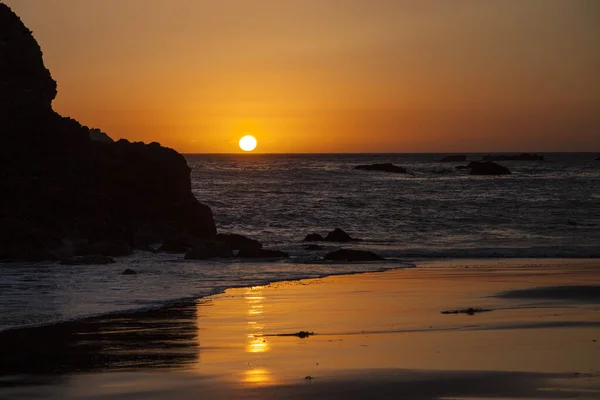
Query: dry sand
[376,336]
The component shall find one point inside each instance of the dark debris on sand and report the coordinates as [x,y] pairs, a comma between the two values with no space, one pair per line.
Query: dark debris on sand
[301,334]
[468,311]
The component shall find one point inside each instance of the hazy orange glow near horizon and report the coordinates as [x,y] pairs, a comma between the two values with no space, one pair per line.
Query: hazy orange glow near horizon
[328,75]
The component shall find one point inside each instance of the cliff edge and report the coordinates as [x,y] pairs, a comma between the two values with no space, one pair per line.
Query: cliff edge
[58,185]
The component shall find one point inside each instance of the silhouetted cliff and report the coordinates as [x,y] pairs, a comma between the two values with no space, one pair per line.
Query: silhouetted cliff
[57,183]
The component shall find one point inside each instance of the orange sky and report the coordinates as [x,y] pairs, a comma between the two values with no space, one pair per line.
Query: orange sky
[328,75]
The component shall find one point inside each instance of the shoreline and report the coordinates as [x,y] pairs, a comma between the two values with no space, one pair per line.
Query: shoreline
[408,264]
[378,333]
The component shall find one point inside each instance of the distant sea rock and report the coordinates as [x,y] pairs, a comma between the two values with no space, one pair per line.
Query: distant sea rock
[458,158]
[386,167]
[352,255]
[313,237]
[487,168]
[338,235]
[58,183]
[598,159]
[239,242]
[513,157]
[261,253]
[313,247]
[129,272]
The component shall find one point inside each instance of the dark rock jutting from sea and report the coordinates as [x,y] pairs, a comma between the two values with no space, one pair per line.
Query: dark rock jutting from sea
[385,167]
[487,168]
[484,168]
[336,235]
[61,181]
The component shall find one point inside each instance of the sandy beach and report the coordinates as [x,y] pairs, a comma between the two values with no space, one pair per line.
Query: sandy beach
[376,335]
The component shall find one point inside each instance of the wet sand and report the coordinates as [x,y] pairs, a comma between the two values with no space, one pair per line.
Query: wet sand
[376,336]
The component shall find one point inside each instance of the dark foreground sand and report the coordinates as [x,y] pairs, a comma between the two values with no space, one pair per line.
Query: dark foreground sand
[377,336]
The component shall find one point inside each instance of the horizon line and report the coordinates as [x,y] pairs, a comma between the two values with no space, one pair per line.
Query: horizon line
[387,153]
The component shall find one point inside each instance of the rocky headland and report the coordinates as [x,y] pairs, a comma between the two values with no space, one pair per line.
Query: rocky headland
[68,189]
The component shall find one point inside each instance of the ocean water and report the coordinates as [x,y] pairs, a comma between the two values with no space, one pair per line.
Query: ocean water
[545,209]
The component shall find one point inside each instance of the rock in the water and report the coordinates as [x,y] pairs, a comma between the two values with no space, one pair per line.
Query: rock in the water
[313,237]
[487,168]
[238,242]
[313,247]
[598,159]
[352,255]
[210,249]
[457,158]
[513,157]
[385,167]
[129,272]
[461,167]
[338,235]
[94,259]
[261,253]
[56,182]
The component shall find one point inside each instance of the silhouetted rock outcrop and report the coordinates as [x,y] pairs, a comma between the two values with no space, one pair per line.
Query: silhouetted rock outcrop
[459,158]
[261,253]
[238,242]
[487,168]
[313,247]
[598,159]
[56,182]
[129,272]
[385,167]
[352,255]
[313,237]
[513,157]
[338,235]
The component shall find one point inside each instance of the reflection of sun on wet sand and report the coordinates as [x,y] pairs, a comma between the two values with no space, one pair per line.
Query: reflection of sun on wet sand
[256,343]
[382,335]
[393,322]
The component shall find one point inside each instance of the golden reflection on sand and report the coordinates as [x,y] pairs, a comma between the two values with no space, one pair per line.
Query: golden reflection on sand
[255,342]
[392,321]
[257,376]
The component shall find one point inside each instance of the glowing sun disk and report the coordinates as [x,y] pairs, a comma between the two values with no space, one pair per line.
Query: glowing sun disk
[248,143]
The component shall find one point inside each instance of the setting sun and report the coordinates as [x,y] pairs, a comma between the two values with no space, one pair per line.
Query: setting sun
[248,143]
